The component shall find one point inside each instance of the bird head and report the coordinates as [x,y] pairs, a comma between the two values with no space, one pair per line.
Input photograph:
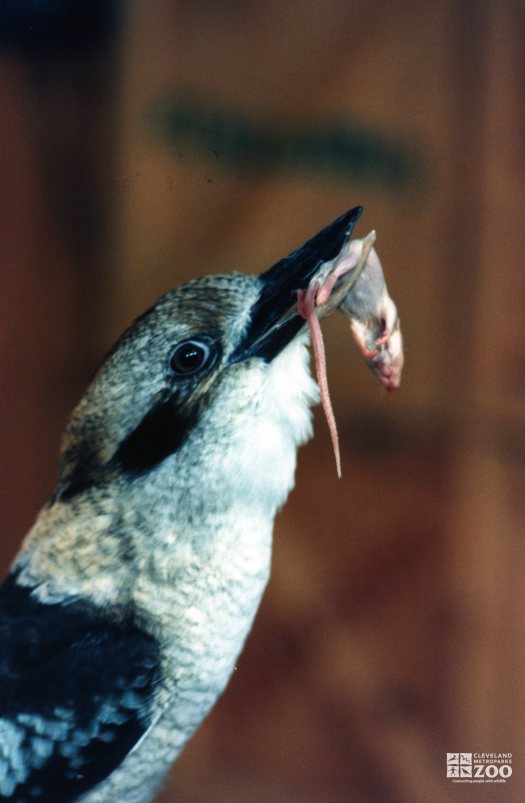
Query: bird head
[213,375]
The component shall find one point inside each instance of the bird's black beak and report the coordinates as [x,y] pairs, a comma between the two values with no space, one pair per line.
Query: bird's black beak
[270,329]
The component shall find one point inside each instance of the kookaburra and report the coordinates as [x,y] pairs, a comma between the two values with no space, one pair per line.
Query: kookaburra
[123,614]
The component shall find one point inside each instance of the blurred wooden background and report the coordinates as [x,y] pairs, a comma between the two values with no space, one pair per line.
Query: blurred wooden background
[143,144]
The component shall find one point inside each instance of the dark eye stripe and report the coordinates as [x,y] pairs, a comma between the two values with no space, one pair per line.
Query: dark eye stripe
[160,433]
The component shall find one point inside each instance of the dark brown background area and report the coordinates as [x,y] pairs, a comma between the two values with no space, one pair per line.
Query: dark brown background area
[393,627]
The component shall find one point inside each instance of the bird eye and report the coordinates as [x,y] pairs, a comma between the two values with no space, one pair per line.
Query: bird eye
[190,357]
